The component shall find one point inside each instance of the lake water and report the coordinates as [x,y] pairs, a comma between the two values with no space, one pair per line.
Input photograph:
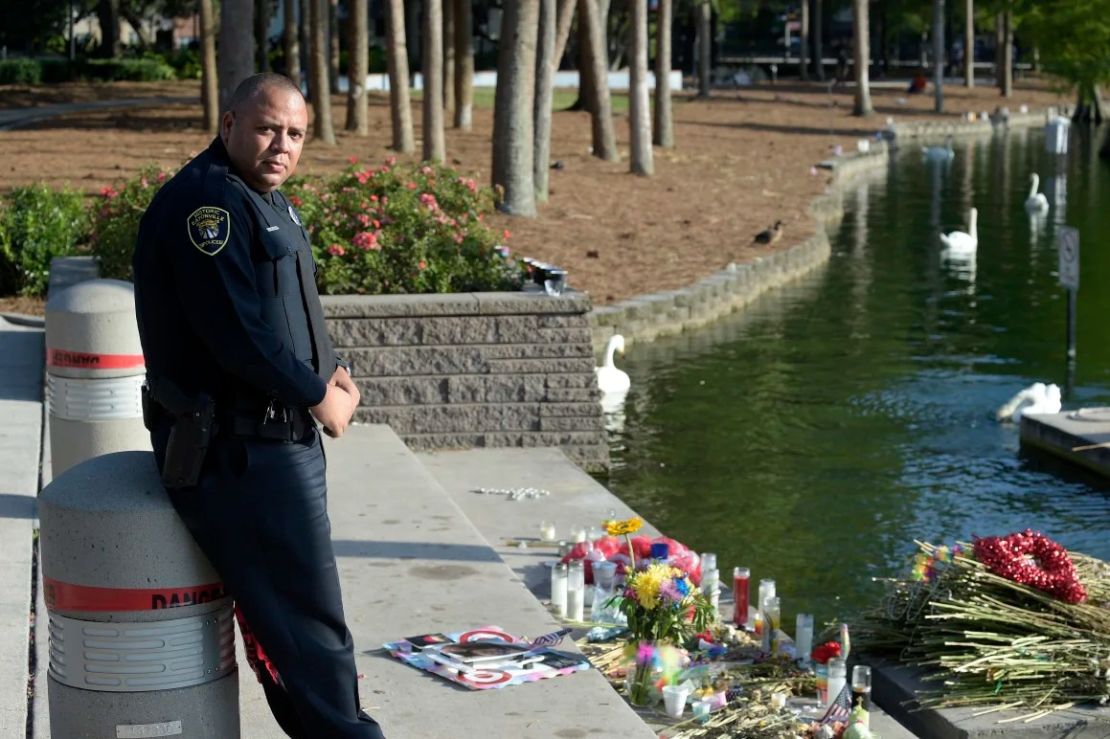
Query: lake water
[814,436]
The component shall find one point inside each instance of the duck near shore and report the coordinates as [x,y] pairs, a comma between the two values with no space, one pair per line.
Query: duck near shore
[769,235]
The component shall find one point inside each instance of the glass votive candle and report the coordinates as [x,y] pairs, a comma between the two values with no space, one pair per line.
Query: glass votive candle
[861,689]
[576,591]
[772,618]
[554,282]
[838,679]
[708,561]
[578,534]
[547,531]
[559,588]
[741,576]
[701,708]
[564,548]
[803,638]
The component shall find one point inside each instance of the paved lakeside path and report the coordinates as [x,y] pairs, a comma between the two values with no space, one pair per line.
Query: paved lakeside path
[12,118]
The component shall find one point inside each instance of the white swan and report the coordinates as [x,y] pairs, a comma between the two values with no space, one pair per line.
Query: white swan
[939,153]
[1037,398]
[958,242]
[1036,203]
[609,378]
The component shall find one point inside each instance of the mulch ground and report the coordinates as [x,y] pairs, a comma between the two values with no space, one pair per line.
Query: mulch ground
[744,159]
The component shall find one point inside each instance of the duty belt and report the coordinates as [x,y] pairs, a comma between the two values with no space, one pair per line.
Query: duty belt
[273,422]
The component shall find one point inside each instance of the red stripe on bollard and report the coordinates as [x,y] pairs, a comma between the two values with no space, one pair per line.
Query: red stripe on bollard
[90,360]
[64,596]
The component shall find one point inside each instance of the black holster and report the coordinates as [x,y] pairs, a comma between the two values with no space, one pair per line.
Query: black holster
[190,434]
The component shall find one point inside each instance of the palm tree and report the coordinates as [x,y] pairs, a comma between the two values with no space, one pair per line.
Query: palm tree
[435,148]
[803,41]
[358,67]
[448,56]
[969,43]
[513,139]
[235,62]
[663,130]
[397,59]
[209,92]
[862,53]
[545,74]
[262,35]
[331,26]
[639,116]
[1007,80]
[290,41]
[564,10]
[938,55]
[818,51]
[604,141]
[464,64]
[322,128]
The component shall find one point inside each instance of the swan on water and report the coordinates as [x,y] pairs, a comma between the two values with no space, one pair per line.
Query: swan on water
[610,379]
[939,153]
[1037,398]
[959,242]
[1036,203]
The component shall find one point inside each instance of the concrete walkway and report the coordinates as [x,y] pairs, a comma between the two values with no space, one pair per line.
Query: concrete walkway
[21,367]
[16,117]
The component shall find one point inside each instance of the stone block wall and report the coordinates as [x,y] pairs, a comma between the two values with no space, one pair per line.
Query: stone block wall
[475,369]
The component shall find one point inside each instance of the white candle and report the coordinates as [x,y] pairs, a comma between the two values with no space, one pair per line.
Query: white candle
[803,637]
[547,531]
[559,588]
[576,595]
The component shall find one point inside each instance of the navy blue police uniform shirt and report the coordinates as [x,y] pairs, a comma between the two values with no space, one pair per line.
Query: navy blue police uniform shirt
[218,270]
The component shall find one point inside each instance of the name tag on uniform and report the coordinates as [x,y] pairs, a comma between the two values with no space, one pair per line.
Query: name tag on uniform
[272,228]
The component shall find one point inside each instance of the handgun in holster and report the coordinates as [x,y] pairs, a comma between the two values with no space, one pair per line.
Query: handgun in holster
[193,422]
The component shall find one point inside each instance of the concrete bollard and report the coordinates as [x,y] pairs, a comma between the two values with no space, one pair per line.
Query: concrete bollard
[142,641]
[94,372]
[1056,135]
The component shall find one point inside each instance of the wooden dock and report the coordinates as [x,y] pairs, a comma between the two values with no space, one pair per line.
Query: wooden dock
[1081,437]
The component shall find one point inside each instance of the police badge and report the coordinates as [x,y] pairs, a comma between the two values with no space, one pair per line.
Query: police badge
[294,216]
[209,229]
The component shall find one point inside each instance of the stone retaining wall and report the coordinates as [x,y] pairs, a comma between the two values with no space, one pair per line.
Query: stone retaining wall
[475,369]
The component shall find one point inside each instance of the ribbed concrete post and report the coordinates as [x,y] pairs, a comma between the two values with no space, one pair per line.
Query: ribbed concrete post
[142,642]
[94,370]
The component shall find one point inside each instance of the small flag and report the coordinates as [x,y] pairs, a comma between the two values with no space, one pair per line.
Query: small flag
[549,640]
[841,707]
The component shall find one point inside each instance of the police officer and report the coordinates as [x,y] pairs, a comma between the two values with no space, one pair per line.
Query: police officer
[239,371]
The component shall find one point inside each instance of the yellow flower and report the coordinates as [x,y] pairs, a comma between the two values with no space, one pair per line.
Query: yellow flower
[647,583]
[618,528]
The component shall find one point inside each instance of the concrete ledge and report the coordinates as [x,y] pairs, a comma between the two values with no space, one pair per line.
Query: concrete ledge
[895,687]
[1079,439]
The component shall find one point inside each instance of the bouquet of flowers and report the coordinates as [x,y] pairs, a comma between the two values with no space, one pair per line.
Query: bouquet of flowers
[662,606]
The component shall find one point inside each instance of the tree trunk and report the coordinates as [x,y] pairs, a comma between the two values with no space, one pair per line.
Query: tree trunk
[435,148]
[261,35]
[663,130]
[448,56]
[586,85]
[358,66]
[322,129]
[803,42]
[513,138]
[107,15]
[999,41]
[604,141]
[236,44]
[209,91]
[464,64]
[1008,53]
[639,115]
[565,13]
[818,50]
[333,45]
[146,40]
[305,33]
[862,52]
[544,93]
[969,43]
[291,42]
[397,61]
[938,55]
[705,46]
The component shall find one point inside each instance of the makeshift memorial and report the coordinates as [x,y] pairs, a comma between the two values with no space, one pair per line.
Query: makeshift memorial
[1015,621]
[487,657]
[625,549]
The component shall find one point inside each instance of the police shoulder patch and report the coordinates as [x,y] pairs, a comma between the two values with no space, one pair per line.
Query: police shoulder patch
[209,229]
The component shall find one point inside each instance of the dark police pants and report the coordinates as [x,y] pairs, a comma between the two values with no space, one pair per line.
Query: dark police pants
[260,515]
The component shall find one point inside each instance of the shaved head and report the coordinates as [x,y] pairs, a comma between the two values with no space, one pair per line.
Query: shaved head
[250,88]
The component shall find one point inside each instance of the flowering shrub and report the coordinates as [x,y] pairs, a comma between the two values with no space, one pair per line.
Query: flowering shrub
[116,213]
[403,229]
[36,225]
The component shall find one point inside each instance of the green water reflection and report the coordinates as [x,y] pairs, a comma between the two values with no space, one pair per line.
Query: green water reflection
[814,436]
